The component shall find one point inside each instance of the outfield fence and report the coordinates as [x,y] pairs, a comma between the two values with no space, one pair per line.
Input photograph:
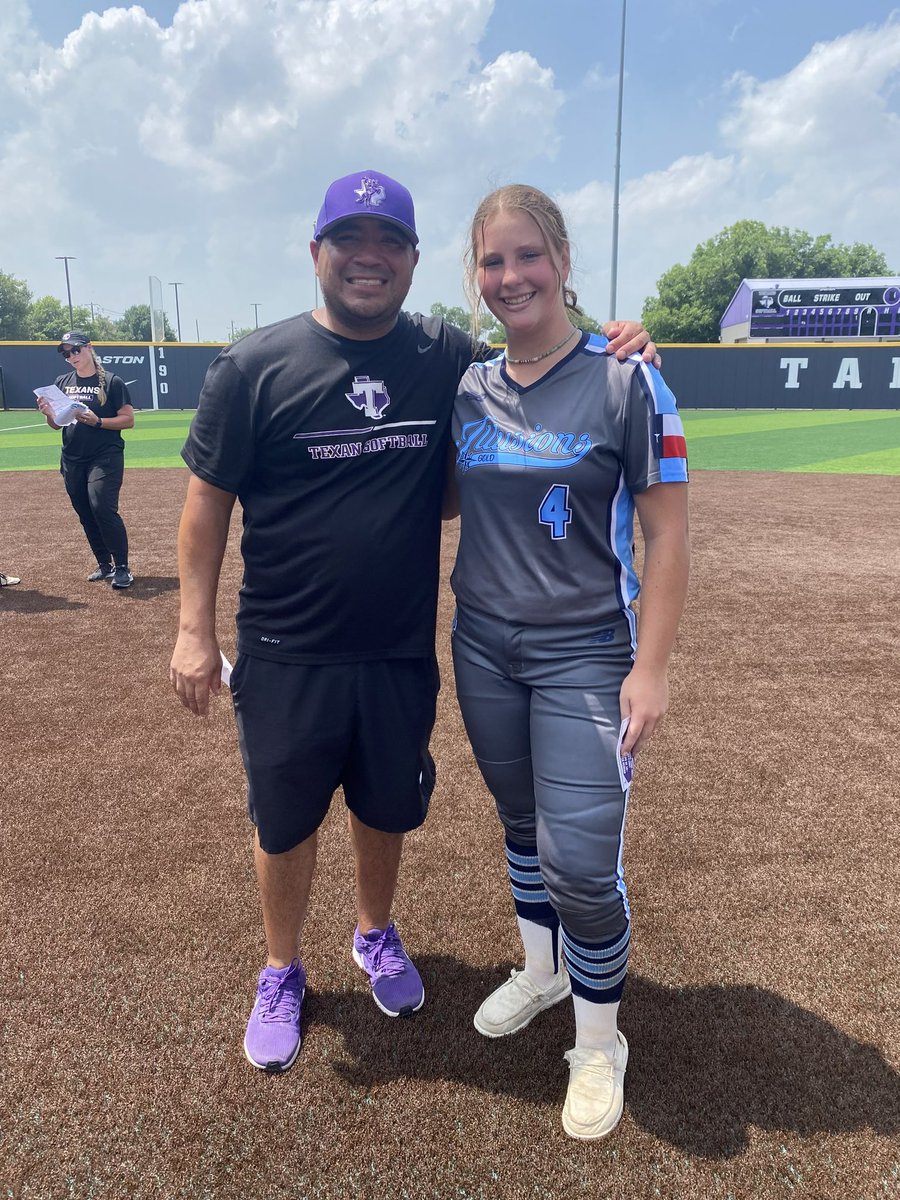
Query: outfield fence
[864,375]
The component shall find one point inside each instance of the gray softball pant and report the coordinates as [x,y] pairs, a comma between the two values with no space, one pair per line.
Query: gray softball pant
[541,708]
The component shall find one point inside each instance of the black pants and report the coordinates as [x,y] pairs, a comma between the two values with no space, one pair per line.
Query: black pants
[93,488]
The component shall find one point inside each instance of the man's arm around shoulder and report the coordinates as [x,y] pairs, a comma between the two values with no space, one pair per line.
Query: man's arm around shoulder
[196,665]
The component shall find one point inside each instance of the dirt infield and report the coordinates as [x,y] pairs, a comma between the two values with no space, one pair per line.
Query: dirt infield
[762,859]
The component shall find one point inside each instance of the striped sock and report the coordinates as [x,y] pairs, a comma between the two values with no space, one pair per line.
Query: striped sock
[597,969]
[532,902]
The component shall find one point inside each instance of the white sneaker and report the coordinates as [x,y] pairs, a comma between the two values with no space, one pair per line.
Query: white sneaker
[516,1002]
[594,1100]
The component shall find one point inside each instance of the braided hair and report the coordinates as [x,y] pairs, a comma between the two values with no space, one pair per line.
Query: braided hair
[101,376]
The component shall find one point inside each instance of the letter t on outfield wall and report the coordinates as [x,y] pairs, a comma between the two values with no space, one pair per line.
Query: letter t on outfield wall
[793,366]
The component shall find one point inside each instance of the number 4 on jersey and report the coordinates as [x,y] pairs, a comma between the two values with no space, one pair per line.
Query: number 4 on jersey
[555,512]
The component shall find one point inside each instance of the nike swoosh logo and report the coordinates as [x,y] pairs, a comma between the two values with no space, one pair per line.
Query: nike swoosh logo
[424,349]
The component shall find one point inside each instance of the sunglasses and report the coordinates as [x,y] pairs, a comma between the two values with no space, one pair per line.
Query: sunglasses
[71,353]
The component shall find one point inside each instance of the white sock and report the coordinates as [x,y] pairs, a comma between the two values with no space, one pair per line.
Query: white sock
[538,943]
[595,1025]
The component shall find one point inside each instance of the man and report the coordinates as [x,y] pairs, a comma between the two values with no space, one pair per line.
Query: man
[332,428]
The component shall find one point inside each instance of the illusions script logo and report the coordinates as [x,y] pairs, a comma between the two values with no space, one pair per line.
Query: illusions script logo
[370,192]
[370,396]
[484,443]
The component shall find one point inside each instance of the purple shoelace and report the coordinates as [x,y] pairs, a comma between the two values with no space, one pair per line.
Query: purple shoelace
[279,998]
[385,957]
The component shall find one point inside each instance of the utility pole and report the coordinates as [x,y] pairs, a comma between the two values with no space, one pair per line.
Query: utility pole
[176,286]
[255,308]
[614,264]
[67,258]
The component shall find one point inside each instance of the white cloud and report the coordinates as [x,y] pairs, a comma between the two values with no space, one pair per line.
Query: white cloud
[597,80]
[689,183]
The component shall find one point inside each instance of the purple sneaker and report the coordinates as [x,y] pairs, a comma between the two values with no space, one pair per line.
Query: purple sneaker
[272,1040]
[396,984]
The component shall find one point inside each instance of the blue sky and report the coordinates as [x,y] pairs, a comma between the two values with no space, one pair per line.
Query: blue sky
[193,141]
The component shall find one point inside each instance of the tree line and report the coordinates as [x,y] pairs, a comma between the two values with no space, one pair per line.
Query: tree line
[24,319]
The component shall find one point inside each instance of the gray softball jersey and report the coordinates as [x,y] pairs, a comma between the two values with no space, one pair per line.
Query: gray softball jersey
[547,476]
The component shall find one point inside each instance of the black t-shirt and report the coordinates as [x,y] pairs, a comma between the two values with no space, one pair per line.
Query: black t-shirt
[337,450]
[84,442]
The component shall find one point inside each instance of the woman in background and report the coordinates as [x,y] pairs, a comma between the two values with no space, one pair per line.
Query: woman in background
[93,454]
[556,444]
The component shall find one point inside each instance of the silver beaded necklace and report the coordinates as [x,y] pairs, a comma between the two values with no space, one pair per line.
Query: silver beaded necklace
[521,362]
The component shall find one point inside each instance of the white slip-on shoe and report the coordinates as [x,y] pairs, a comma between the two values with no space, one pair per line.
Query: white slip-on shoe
[594,1100]
[516,1002]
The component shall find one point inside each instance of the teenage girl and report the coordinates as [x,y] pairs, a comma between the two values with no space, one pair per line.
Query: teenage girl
[556,445]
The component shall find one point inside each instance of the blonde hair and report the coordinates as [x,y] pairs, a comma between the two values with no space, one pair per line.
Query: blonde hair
[101,376]
[547,215]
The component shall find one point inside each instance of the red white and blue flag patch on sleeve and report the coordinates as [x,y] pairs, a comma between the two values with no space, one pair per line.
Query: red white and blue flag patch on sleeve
[671,448]
[669,445]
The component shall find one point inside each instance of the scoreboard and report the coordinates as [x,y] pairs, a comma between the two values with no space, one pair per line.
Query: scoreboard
[842,312]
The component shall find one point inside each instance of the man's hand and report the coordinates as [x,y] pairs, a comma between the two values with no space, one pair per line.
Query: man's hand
[196,670]
[630,337]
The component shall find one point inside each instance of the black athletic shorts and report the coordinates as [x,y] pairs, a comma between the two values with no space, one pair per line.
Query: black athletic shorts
[306,730]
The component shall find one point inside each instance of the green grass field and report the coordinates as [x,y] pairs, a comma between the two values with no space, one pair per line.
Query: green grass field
[28,444]
[833,441]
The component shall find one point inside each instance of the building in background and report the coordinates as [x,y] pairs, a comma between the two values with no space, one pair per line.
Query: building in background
[827,310]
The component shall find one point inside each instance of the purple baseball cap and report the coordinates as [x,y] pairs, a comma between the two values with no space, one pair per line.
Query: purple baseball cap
[367,194]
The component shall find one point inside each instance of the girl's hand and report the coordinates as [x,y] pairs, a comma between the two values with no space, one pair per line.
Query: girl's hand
[644,699]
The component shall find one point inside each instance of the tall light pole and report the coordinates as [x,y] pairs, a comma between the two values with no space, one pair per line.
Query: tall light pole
[67,258]
[255,308]
[614,265]
[176,286]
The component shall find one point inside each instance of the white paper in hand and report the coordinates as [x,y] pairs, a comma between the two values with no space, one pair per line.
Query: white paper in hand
[226,670]
[625,761]
[64,408]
